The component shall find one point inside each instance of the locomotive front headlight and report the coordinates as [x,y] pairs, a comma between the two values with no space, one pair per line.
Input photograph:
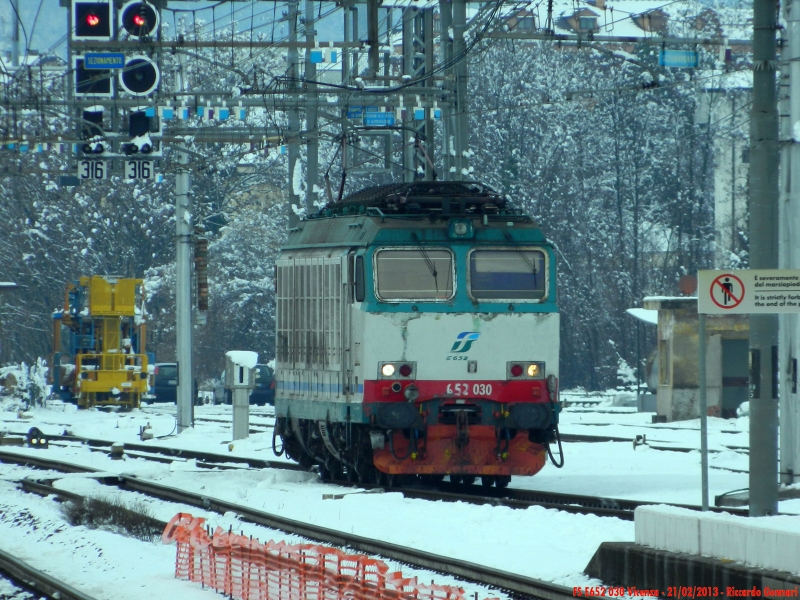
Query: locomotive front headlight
[533,370]
[387,370]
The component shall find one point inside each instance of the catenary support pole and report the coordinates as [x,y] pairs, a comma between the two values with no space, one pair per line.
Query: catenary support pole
[15,33]
[764,255]
[312,148]
[789,219]
[448,113]
[461,81]
[409,152]
[293,116]
[426,33]
[372,37]
[701,351]
[183,280]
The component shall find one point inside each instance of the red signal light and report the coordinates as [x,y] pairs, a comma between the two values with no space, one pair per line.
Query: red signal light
[92,20]
[516,370]
[405,370]
[139,21]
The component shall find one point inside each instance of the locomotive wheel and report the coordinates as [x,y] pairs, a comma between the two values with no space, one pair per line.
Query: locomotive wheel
[502,481]
[468,479]
[487,481]
[380,478]
[294,451]
[330,471]
[455,479]
[367,474]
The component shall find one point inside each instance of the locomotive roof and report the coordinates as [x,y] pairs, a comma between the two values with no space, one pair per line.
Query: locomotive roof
[424,198]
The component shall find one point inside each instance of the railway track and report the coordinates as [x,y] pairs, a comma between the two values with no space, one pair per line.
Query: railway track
[639,440]
[503,580]
[444,491]
[37,582]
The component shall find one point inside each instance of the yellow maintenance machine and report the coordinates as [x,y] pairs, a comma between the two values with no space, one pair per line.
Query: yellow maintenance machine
[99,343]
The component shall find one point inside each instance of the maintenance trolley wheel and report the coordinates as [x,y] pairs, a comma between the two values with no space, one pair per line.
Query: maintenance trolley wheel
[431,479]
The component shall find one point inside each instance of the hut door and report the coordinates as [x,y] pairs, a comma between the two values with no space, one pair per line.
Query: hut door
[735,375]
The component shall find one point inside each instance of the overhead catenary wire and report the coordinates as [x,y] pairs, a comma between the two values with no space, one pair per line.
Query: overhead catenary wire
[330,123]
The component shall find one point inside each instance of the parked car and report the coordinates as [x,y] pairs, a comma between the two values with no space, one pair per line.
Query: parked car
[165,383]
[263,392]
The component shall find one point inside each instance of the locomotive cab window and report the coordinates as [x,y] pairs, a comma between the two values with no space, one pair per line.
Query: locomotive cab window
[508,274]
[414,274]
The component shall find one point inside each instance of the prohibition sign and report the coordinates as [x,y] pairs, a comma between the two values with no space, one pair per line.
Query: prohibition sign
[725,285]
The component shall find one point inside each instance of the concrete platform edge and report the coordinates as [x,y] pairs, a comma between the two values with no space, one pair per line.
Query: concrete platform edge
[629,565]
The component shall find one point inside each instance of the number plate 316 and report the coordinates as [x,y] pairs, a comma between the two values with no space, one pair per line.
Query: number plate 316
[139,169]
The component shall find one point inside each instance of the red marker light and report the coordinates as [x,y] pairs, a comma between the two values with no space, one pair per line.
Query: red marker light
[92,20]
[139,21]
[516,370]
[405,370]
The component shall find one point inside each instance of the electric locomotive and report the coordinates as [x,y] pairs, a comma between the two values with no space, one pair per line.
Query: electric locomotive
[418,335]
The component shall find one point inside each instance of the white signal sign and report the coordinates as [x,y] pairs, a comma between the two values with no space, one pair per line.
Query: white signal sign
[755,291]
[92,169]
[139,169]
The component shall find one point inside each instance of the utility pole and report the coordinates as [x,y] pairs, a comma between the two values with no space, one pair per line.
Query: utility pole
[15,33]
[293,114]
[183,278]
[448,115]
[409,146]
[764,255]
[312,148]
[790,242]
[460,74]
[372,37]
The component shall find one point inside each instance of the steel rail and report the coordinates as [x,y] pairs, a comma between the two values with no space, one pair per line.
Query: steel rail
[512,582]
[38,581]
[256,463]
[444,491]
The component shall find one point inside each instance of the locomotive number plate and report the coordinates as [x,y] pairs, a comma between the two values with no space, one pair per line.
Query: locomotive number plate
[464,389]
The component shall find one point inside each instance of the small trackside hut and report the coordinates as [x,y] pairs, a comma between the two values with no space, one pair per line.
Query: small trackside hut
[418,335]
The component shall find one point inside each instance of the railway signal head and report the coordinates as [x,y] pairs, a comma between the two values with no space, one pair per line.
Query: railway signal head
[140,76]
[91,20]
[140,126]
[91,82]
[139,19]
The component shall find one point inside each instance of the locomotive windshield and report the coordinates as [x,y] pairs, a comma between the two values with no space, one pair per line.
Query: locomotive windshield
[518,274]
[414,274]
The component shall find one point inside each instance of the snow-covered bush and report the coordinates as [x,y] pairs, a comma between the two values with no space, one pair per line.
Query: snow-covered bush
[24,385]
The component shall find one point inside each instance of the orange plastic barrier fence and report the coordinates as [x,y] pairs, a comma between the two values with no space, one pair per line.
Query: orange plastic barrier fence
[241,567]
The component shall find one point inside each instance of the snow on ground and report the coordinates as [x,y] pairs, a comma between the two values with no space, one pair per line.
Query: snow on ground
[500,537]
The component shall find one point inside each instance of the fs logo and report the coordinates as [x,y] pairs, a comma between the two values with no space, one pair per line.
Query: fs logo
[464,341]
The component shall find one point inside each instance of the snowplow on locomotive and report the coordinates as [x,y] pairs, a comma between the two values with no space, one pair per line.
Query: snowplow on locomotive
[417,334]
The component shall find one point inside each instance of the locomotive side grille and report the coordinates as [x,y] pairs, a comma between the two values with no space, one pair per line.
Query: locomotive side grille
[309,303]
